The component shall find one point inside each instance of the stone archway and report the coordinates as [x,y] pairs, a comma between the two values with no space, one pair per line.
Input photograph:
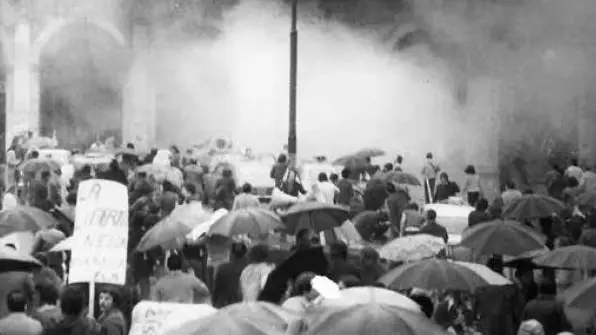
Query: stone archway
[78,64]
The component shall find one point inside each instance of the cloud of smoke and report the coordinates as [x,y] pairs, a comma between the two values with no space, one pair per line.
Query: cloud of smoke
[353,91]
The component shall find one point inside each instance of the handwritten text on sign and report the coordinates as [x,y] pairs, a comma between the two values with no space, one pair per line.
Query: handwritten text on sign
[157,318]
[100,234]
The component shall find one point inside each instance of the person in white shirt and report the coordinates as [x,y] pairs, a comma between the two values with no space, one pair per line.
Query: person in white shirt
[511,193]
[246,199]
[573,170]
[398,164]
[429,172]
[327,190]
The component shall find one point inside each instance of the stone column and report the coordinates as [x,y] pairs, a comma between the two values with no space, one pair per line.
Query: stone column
[139,94]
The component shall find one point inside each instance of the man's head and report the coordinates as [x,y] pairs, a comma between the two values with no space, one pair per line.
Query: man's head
[339,250]
[323,177]
[108,299]
[45,175]
[369,257]
[17,301]
[399,159]
[247,188]
[72,302]
[345,173]
[174,262]
[431,215]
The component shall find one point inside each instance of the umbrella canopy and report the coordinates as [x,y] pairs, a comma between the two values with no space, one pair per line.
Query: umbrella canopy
[169,234]
[578,257]
[25,218]
[412,248]
[246,221]
[586,199]
[32,166]
[532,206]
[399,177]
[12,260]
[50,237]
[373,319]
[64,245]
[502,237]
[203,228]
[225,324]
[371,295]
[315,216]
[491,277]
[581,295]
[434,274]
[359,157]
[261,313]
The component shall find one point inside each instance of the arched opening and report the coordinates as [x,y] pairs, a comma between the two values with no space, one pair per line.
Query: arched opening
[81,67]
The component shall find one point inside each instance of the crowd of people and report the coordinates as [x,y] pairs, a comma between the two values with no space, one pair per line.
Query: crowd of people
[182,276]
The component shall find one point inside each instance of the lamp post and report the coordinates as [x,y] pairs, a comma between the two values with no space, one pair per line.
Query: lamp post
[292,140]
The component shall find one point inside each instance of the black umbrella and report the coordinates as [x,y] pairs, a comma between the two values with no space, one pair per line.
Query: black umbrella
[304,260]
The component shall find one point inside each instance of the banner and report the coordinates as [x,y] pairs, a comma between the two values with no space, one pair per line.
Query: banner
[100,237]
[156,318]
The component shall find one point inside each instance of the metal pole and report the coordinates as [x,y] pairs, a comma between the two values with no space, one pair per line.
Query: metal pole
[292,140]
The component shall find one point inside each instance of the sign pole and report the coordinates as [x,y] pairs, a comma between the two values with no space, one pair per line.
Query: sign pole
[92,298]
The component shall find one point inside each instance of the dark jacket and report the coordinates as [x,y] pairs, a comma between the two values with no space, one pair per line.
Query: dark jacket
[444,191]
[549,312]
[226,286]
[339,268]
[76,326]
[113,323]
[435,229]
[475,217]
[346,192]
[277,173]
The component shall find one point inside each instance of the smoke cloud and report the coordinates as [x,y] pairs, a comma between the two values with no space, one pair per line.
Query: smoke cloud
[483,72]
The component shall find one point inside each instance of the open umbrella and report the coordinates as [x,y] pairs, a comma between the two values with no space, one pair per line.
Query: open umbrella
[491,277]
[246,221]
[12,260]
[359,157]
[577,257]
[262,312]
[434,274]
[223,324]
[399,177]
[315,216]
[532,206]
[373,318]
[371,295]
[586,199]
[502,237]
[581,295]
[412,248]
[169,234]
[32,166]
[25,218]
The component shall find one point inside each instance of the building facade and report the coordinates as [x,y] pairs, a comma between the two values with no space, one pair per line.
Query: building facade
[28,27]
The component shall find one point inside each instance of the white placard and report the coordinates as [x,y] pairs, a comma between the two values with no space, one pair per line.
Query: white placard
[157,318]
[100,237]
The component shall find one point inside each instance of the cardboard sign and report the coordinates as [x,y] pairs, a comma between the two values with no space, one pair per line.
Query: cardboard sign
[157,318]
[100,237]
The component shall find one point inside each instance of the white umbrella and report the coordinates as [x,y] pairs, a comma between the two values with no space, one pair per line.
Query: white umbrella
[64,245]
[203,228]
[412,248]
[368,294]
[487,274]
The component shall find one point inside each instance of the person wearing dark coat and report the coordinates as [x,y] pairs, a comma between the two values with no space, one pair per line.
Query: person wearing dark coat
[445,189]
[431,226]
[339,265]
[547,310]
[479,214]
[226,288]
[397,203]
[114,173]
[279,170]
[346,189]
[74,322]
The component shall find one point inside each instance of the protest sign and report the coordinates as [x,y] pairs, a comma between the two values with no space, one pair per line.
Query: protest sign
[100,237]
[156,318]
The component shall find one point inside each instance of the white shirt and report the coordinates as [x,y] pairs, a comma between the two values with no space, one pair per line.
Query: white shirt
[328,192]
[574,171]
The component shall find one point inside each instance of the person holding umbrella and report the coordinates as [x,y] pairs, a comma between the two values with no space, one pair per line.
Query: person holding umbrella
[429,172]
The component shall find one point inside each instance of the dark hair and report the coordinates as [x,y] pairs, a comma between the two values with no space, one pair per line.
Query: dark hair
[72,301]
[350,281]
[302,234]
[302,284]
[345,173]
[379,284]
[333,177]
[339,250]
[390,187]
[247,188]
[323,177]
[116,296]
[510,185]
[86,169]
[470,169]
[45,174]
[444,175]
[259,253]
[388,167]
[482,205]
[48,293]
[191,188]
[429,155]
[282,158]
[574,161]
[547,287]
[175,262]
[34,154]
[425,303]
[238,250]
[399,159]
[413,206]
[129,145]
[16,301]
[431,214]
